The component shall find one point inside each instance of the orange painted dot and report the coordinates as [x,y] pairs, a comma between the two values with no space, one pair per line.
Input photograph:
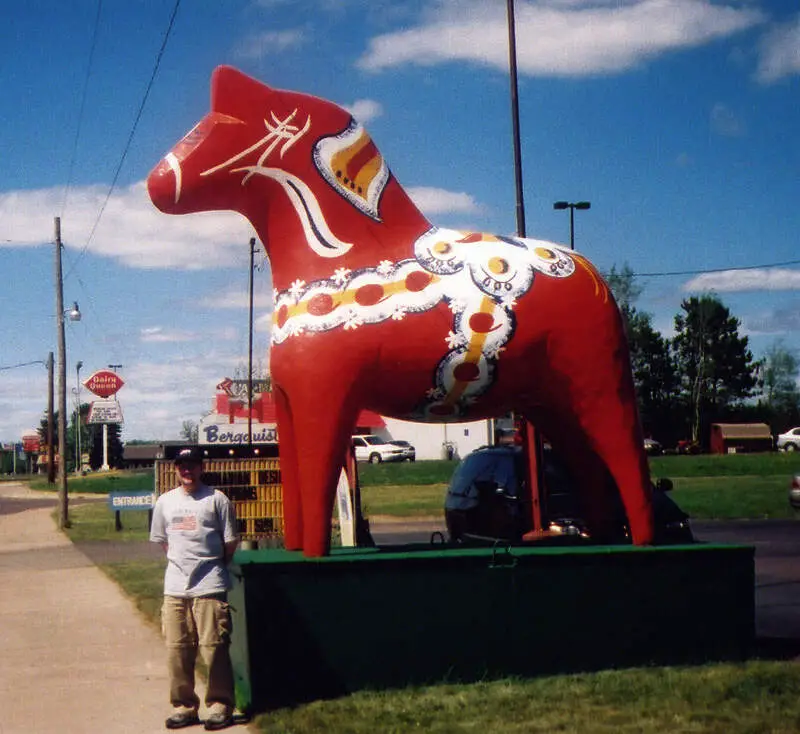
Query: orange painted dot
[418,281]
[545,254]
[320,304]
[466,372]
[283,316]
[498,266]
[442,248]
[369,295]
[481,323]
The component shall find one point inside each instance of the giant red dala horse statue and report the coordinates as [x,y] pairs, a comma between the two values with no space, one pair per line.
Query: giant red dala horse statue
[376,308]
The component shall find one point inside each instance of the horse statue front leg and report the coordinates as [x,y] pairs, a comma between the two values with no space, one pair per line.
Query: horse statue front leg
[290,477]
[321,415]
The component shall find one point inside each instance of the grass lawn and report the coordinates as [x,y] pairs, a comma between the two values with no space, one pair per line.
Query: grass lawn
[758,696]
[94,521]
[101,482]
[707,487]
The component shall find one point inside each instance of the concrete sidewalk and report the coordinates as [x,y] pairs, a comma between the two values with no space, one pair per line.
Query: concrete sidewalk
[76,657]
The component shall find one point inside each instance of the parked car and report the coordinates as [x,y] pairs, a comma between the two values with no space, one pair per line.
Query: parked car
[409,452]
[485,500]
[375,449]
[653,447]
[794,492]
[789,441]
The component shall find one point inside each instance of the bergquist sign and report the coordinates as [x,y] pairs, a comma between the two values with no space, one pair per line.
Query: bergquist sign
[236,433]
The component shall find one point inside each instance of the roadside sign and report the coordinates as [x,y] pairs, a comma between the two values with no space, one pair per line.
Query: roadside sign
[120,501]
[105,411]
[103,383]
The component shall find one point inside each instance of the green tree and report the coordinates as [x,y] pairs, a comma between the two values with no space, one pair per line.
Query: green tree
[42,431]
[780,396]
[115,448]
[190,431]
[716,367]
[624,287]
[79,428]
[651,360]
[655,377]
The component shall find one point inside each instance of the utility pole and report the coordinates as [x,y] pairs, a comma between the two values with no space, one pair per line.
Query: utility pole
[250,353]
[512,65]
[78,454]
[63,498]
[51,464]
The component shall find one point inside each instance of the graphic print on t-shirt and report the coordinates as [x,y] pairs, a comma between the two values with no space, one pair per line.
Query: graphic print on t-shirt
[184,522]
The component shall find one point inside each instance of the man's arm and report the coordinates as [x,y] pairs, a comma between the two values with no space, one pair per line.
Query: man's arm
[230,549]
[158,526]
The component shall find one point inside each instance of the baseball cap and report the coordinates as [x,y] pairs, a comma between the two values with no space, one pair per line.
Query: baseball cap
[191,454]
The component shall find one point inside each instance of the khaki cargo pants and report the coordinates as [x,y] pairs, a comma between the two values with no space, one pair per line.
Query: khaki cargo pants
[204,624]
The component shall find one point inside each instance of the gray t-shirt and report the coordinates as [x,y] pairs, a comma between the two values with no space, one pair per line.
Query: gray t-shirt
[196,527]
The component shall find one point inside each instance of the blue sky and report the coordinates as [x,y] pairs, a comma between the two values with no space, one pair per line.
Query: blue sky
[677,119]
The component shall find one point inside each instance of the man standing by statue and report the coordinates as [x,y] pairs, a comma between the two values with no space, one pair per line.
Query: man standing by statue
[195,525]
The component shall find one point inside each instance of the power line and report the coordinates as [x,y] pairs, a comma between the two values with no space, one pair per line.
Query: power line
[82,107]
[132,132]
[23,364]
[717,270]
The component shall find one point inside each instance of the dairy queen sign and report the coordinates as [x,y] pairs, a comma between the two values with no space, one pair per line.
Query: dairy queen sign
[104,383]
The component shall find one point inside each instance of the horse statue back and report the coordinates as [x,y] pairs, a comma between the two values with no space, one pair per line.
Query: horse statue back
[376,308]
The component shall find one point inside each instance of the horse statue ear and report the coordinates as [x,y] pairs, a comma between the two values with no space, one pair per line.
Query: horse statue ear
[233,93]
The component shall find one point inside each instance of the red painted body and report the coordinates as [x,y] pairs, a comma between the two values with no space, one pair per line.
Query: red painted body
[377,309]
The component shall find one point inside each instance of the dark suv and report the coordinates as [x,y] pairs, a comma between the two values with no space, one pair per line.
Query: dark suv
[485,501]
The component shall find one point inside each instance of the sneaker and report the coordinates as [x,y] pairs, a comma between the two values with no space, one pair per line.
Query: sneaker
[218,721]
[181,719]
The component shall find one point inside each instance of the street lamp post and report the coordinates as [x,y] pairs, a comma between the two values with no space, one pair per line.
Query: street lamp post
[572,206]
[79,455]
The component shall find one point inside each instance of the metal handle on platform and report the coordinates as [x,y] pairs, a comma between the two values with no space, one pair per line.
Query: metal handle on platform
[508,560]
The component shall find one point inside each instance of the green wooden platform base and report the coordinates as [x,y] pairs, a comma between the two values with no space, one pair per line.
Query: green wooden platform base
[386,617]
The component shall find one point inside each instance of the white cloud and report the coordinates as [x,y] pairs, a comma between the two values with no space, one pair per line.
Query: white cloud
[780,52]
[270,43]
[782,320]
[159,335]
[440,201]
[365,110]
[157,398]
[725,122]
[131,230]
[238,299]
[574,38]
[733,281]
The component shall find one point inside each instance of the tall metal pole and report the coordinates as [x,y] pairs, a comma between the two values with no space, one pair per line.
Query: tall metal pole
[512,63]
[572,227]
[250,353]
[63,498]
[79,461]
[51,451]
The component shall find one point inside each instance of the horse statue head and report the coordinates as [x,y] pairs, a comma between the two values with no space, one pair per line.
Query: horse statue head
[301,169]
